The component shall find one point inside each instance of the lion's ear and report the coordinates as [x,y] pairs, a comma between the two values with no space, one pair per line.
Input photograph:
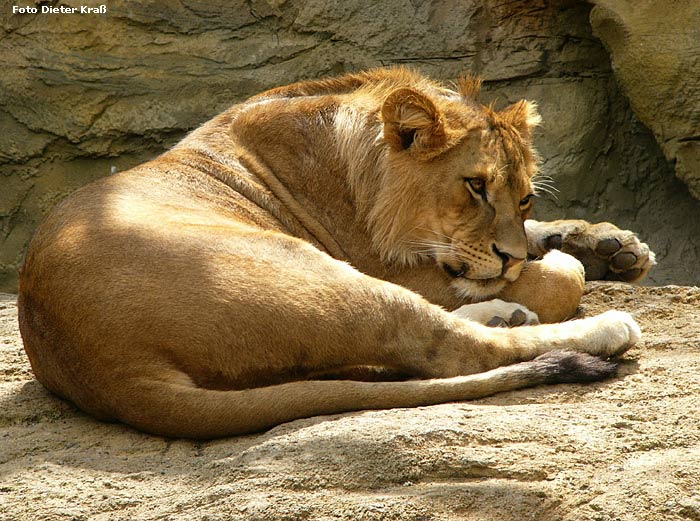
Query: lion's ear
[411,120]
[523,116]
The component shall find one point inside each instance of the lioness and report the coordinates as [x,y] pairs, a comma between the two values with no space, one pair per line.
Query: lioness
[323,228]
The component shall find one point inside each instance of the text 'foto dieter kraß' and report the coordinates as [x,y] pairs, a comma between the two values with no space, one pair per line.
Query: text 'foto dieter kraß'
[62,9]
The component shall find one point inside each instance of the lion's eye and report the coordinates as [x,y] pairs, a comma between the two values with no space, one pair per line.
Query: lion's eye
[527,201]
[477,184]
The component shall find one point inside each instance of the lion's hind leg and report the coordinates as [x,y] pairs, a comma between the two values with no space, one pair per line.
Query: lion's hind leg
[175,408]
[222,375]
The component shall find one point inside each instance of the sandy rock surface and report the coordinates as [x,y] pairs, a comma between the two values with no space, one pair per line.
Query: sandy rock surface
[626,449]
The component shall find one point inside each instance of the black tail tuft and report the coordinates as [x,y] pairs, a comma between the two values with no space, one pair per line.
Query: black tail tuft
[573,367]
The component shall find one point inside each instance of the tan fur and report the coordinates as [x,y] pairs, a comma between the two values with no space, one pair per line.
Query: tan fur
[309,230]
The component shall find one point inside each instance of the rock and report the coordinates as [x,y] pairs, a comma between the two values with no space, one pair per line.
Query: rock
[624,449]
[81,94]
[654,47]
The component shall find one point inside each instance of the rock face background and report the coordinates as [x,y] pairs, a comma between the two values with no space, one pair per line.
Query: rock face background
[82,93]
[656,59]
[627,449]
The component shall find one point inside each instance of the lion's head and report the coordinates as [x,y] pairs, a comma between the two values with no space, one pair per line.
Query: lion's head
[455,183]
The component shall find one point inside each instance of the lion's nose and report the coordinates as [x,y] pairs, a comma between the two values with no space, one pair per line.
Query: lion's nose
[509,261]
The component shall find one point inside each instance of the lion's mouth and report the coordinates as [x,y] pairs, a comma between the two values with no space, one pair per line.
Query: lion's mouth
[470,285]
[455,273]
[462,272]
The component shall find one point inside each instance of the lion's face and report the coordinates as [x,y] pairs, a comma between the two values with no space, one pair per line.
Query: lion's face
[466,172]
[473,223]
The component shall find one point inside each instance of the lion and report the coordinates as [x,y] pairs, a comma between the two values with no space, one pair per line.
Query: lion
[329,246]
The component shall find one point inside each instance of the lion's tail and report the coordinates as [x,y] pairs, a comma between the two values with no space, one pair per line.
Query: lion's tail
[180,410]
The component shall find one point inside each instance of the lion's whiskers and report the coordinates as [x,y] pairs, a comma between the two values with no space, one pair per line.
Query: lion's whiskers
[423,247]
[545,184]
[433,232]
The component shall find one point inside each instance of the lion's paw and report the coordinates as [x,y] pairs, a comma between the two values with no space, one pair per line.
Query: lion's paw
[614,332]
[627,258]
[498,313]
[607,252]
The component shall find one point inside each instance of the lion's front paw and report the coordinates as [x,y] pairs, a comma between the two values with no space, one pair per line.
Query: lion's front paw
[607,252]
[625,257]
[498,313]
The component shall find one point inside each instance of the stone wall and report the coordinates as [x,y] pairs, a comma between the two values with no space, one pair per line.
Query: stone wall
[655,51]
[80,94]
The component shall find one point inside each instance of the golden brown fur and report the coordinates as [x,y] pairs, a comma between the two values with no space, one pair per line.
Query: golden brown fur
[315,228]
